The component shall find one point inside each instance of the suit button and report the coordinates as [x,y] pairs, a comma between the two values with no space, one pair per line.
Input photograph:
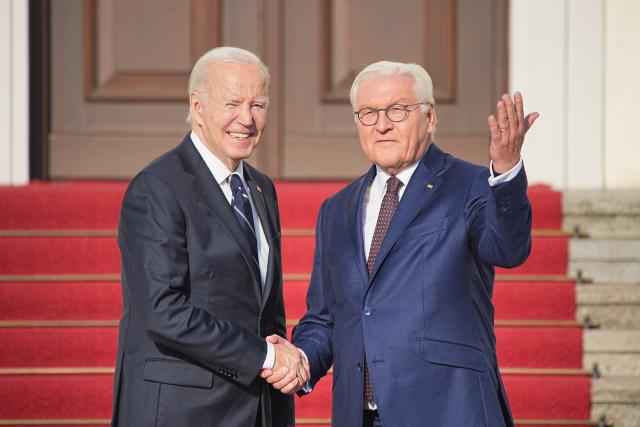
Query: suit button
[359,367]
[366,311]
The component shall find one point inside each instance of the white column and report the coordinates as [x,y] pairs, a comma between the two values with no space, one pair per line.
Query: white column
[585,97]
[537,68]
[556,51]
[14,92]
[622,116]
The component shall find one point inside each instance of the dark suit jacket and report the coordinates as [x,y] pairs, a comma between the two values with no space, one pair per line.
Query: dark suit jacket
[424,318]
[190,341]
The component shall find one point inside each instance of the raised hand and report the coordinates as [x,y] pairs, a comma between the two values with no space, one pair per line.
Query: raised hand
[508,131]
[290,372]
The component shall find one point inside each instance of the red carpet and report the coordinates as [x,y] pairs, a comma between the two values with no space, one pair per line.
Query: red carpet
[532,312]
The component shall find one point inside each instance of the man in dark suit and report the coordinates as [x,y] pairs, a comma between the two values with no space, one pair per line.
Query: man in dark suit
[400,296]
[199,237]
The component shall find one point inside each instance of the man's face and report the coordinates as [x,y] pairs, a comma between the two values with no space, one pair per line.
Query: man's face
[232,115]
[393,145]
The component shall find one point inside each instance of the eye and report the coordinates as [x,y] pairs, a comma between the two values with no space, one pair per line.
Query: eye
[258,105]
[367,112]
[398,107]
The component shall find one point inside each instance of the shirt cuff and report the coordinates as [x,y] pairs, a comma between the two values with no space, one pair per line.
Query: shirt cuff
[307,387]
[504,177]
[270,360]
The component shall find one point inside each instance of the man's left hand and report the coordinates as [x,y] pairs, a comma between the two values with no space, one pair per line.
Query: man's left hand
[508,131]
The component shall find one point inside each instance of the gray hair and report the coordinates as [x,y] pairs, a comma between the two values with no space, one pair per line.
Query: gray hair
[422,88]
[221,55]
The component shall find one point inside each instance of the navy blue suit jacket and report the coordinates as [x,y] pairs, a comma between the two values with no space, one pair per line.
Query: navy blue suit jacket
[424,318]
[194,316]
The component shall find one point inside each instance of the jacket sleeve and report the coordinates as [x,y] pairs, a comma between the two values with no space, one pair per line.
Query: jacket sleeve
[155,270]
[498,220]
[314,332]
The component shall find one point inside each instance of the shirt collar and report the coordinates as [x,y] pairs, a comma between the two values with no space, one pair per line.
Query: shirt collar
[218,169]
[378,187]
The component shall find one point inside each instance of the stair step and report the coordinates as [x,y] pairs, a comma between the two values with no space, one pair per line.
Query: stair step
[315,422]
[91,343]
[89,396]
[97,204]
[66,300]
[59,255]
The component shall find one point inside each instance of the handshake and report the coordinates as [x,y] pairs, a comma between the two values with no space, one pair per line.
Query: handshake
[290,371]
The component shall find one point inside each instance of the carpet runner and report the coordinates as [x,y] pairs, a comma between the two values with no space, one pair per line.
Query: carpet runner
[60,304]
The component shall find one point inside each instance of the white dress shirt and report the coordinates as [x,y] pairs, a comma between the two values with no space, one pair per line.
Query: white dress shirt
[373,200]
[222,174]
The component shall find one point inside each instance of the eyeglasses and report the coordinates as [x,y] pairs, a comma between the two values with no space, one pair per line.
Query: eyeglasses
[395,113]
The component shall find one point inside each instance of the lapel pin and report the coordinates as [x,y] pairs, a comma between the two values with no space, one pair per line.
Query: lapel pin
[258,188]
[429,186]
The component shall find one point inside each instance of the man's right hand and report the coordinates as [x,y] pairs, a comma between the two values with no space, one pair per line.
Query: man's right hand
[290,372]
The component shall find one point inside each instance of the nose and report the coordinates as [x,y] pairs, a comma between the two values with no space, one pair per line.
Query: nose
[245,115]
[383,124]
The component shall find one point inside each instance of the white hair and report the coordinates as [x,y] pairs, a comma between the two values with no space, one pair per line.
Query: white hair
[422,88]
[221,55]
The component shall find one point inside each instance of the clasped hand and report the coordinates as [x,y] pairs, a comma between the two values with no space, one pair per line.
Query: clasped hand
[290,371]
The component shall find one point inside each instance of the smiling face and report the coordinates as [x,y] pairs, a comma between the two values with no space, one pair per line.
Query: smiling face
[231,116]
[393,146]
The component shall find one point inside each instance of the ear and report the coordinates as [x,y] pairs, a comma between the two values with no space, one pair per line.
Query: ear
[431,118]
[196,106]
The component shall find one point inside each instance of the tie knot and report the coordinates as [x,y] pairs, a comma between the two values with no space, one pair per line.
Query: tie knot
[393,185]
[235,182]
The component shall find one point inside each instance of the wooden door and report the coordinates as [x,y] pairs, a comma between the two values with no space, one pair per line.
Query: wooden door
[119,72]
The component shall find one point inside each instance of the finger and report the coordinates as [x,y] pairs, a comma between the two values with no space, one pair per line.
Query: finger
[503,121]
[278,375]
[529,120]
[517,99]
[494,130]
[291,377]
[291,388]
[266,373]
[511,113]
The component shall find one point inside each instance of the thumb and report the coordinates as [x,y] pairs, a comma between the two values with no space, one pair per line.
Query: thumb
[273,339]
[529,120]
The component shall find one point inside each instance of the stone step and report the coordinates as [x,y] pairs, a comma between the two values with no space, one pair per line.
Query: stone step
[601,203]
[612,250]
[612,305]
[605,226]
[602,340]
[607,271]
[618,398]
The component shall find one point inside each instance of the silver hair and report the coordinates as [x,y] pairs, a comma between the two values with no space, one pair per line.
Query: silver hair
[220,55]
[422,88]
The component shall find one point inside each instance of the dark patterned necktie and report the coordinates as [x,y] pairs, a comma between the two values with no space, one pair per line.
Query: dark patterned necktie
[242,208]
[387,210]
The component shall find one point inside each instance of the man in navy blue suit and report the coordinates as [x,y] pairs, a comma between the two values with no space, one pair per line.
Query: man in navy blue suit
[400,296]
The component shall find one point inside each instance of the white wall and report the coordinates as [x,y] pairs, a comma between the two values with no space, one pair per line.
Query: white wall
[622,86]
[14,92]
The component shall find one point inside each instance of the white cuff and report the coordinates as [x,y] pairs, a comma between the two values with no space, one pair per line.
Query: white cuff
[504,177]
[307,387]
[270,360]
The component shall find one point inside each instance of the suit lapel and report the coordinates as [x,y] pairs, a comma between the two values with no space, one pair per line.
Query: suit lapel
[262,209]
[209,194]
[354,212]
[422,187]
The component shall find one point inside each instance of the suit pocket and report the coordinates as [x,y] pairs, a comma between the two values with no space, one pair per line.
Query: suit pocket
[176,372]
[424,229]
[452,354]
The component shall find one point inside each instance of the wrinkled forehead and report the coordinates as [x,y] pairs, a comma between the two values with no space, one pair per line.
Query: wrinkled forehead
[237,77]
[381,90]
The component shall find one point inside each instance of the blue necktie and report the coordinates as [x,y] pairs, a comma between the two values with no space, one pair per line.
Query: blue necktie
[242,208]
